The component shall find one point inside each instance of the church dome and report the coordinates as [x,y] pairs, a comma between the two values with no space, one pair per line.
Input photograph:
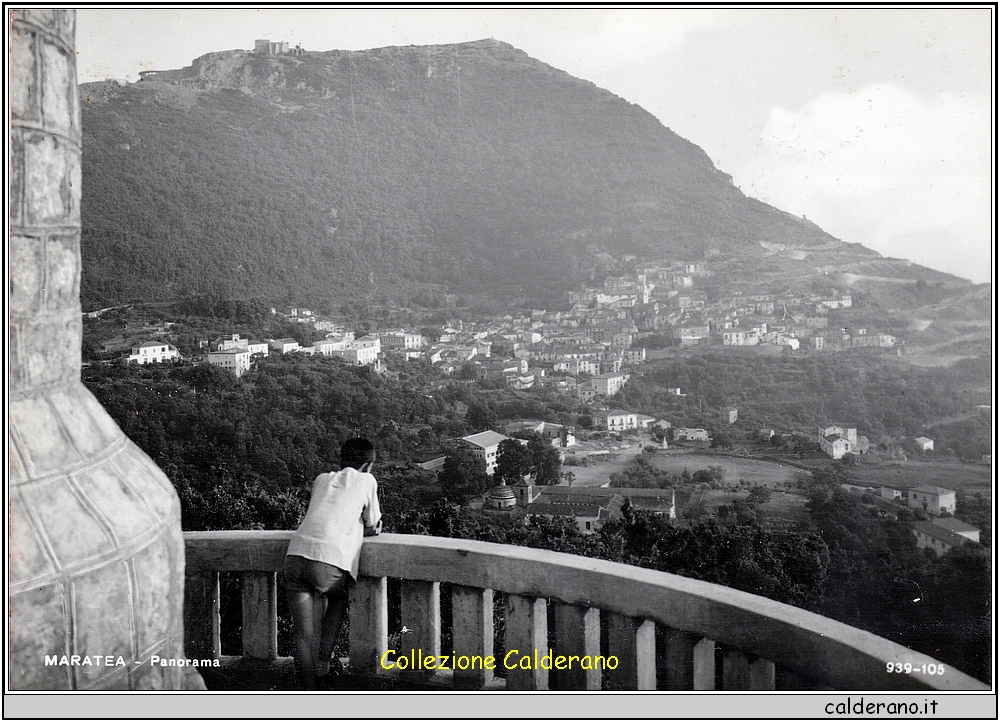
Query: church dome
[501,497]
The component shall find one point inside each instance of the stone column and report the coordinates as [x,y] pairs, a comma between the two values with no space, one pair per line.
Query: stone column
[96,556]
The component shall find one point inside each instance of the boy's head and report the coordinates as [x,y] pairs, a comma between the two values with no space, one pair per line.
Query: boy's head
[356,453]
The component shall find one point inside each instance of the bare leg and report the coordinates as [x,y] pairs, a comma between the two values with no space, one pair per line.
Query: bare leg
[335,608]
[301,606]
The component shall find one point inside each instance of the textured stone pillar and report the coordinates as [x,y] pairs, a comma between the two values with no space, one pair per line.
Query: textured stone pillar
[96,556]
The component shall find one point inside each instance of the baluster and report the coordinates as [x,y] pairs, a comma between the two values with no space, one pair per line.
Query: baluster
[421,619]
[201,616]
[260,615]
[762,674]
[735,670]
[526,630]
[578,633]
[369,625]
[472,633]
[633,642]
[739,673]
[690,661]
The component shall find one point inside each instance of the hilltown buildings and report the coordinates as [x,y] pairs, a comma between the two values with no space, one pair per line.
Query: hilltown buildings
[583,350]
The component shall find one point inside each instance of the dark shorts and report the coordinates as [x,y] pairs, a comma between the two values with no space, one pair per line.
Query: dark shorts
[309,575]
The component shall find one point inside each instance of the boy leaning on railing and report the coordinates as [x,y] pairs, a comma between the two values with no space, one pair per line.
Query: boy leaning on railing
[322,558]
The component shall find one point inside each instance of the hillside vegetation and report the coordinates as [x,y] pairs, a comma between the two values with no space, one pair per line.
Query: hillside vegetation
[388,173]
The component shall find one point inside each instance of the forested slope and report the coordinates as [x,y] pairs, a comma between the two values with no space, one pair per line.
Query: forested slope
[379,173]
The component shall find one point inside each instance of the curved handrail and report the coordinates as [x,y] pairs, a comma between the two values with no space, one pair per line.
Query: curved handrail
[844,657]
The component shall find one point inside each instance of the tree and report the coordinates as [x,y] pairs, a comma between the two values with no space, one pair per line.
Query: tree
[721,439]
[758,495]
[543,459]
[463,475]
[513,462]
[713,476]
[431,334]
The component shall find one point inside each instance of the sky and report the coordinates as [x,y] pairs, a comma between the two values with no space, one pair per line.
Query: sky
[876,124]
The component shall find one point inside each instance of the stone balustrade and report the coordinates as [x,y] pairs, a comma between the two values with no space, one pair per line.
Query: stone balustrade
[711,636]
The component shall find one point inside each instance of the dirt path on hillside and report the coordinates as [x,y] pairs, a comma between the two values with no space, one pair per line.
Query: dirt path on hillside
[953,419]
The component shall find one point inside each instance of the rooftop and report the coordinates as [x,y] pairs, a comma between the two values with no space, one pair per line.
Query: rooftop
[945,535]
[484,439]
[956,525]
[935,490]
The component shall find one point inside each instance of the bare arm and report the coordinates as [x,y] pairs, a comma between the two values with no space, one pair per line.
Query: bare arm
[371,516]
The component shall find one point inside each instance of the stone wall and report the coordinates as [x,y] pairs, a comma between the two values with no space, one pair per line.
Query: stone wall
[96,556]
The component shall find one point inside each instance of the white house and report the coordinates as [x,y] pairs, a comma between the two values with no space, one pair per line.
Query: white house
[400,340]
[924,443]
[236,360]
[576,366]
[931,499]
[258,348]
[932,536]
[283,345]
[152,352]
[644,422]
[740,338]
[329,346]
[224,343]
[359,355]
[369,341]
[608,384]
[835,446]
[617,420]
[836,441]
[634,355]
[557,434]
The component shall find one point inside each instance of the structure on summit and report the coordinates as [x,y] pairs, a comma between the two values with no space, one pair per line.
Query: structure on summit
[275,47]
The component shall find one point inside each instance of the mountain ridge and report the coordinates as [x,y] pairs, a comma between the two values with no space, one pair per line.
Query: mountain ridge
[402,172]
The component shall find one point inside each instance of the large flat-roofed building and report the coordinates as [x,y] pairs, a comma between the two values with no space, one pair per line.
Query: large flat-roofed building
[484,446]
[400,340]
[284,345]
[359,355]
[235,360]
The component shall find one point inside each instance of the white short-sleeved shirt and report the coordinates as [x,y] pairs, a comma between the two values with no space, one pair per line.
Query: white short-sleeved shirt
[342,504]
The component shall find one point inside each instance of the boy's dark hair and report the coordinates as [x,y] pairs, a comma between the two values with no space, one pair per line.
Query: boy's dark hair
[356,453]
